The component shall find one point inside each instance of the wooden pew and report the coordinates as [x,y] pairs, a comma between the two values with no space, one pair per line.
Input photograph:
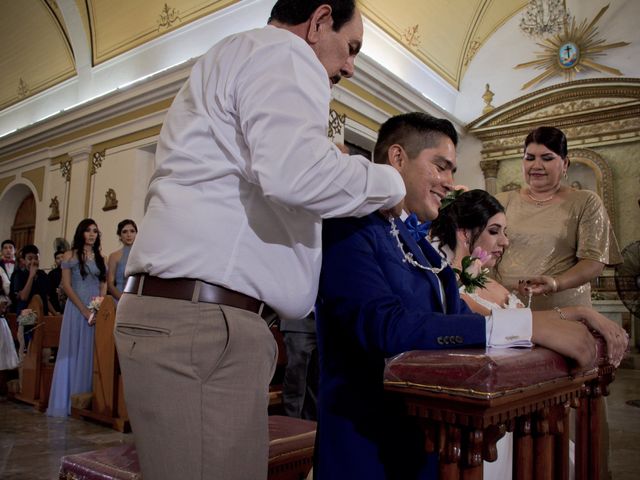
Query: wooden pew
[36,372]
[465,401]
[107,403]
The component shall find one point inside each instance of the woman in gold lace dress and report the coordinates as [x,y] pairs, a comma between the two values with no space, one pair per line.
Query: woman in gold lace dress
[561,238]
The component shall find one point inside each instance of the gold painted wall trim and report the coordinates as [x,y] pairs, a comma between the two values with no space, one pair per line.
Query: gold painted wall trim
[4,182]
[369,97]
[92,129]
[36,176]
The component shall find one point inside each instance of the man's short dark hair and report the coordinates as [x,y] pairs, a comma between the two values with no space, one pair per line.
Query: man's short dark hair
[295,12]
[27,249]
[10,242]
[414,132]
[59,252]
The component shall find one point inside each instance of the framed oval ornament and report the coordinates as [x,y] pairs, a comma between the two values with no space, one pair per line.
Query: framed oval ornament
[572,51]
[568,55]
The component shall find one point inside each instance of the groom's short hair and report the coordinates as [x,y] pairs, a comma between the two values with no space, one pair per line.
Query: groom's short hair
[414,132]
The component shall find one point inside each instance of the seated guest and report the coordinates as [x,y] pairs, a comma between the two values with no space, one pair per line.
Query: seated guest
[56,294]
[31,281]
[382,292]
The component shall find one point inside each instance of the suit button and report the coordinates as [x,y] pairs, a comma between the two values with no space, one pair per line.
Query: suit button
[440,342]
[459,339]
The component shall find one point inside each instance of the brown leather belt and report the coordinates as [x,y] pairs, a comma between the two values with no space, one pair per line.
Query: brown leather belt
[184,289]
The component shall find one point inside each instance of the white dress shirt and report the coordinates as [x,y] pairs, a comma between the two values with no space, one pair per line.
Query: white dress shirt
[245,174]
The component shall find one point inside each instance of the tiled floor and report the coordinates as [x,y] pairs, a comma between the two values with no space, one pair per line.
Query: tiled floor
[31,444]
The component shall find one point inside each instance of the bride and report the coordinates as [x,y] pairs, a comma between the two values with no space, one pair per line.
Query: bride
[476,219]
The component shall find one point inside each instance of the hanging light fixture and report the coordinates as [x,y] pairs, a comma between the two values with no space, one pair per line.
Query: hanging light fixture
[544,17]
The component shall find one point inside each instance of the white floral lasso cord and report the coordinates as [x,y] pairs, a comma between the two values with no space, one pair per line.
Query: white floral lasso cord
[408,257]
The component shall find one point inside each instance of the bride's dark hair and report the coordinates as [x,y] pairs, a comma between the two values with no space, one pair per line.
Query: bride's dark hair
[469,211]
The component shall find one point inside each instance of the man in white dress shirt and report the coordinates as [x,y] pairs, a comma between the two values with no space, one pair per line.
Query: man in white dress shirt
[244,176]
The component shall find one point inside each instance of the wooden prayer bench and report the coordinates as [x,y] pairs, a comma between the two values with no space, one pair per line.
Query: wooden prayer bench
[465,401]
[107,401]
[36,373]
[290,455]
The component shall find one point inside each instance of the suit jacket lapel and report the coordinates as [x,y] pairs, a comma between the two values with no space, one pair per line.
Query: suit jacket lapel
[447,275]
[419,256]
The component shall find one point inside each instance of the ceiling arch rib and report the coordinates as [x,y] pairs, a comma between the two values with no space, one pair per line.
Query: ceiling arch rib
[42,55]
[118,26]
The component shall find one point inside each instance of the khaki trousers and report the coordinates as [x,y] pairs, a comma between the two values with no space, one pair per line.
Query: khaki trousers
[196,381]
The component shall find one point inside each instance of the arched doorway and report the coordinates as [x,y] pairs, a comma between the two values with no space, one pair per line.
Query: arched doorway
[24,223]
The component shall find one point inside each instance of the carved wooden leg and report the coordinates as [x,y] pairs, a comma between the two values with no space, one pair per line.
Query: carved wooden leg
[523,449]
[449,450]
[492,434]
[595,439]
[472,469]
[560,430]
[582,438]
[543,447]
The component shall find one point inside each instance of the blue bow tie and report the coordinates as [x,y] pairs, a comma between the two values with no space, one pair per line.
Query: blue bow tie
[418,230]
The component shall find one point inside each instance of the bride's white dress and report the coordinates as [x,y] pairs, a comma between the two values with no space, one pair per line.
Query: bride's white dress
[501,469]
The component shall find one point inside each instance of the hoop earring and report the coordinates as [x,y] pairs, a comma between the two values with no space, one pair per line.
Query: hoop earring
[565,175]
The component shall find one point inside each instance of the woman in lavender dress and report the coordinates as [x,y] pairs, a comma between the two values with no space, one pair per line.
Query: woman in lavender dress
[127,231]
[83,277]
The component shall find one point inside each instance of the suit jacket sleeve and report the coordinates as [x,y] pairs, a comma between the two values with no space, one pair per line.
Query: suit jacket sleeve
[368,295]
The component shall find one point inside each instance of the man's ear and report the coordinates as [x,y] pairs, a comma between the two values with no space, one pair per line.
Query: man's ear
[396,156]
[320,20]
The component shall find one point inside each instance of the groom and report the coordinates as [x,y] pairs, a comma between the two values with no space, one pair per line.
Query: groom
[382,292]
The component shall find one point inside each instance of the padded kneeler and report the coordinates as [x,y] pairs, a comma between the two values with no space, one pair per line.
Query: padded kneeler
[290,455]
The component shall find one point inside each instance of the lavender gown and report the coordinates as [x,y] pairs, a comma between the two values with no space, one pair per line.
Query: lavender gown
[74,364]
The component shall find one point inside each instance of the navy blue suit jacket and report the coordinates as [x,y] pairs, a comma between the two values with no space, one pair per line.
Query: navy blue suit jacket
[371,306]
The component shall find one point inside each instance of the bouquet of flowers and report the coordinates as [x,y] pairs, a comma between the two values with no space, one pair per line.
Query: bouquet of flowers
[26,325]
[473,273]
[27,317]
[94,306]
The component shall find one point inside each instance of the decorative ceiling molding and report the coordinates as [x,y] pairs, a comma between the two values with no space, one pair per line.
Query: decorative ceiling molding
[118,26]
[590,112]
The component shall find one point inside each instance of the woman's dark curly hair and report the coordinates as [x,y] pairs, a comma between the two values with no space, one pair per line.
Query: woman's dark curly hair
[78,247]
[469,211]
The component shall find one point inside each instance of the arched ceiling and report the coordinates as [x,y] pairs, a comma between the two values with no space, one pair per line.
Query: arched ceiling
[443,35]
[112,42]
[36,52]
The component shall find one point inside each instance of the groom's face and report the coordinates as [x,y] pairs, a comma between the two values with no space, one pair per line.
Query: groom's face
[428,177]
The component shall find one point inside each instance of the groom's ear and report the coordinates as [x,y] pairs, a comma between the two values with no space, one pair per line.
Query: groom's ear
[396,157]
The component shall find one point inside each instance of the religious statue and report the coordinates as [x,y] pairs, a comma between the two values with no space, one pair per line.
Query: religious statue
[110,200]
[55,209]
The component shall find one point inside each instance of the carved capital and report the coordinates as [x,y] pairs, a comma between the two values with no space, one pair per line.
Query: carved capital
[490,168]
[336,124]
[65,170]
[96,162]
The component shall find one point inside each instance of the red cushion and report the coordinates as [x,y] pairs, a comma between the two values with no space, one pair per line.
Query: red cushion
[290,454]
[475,372]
